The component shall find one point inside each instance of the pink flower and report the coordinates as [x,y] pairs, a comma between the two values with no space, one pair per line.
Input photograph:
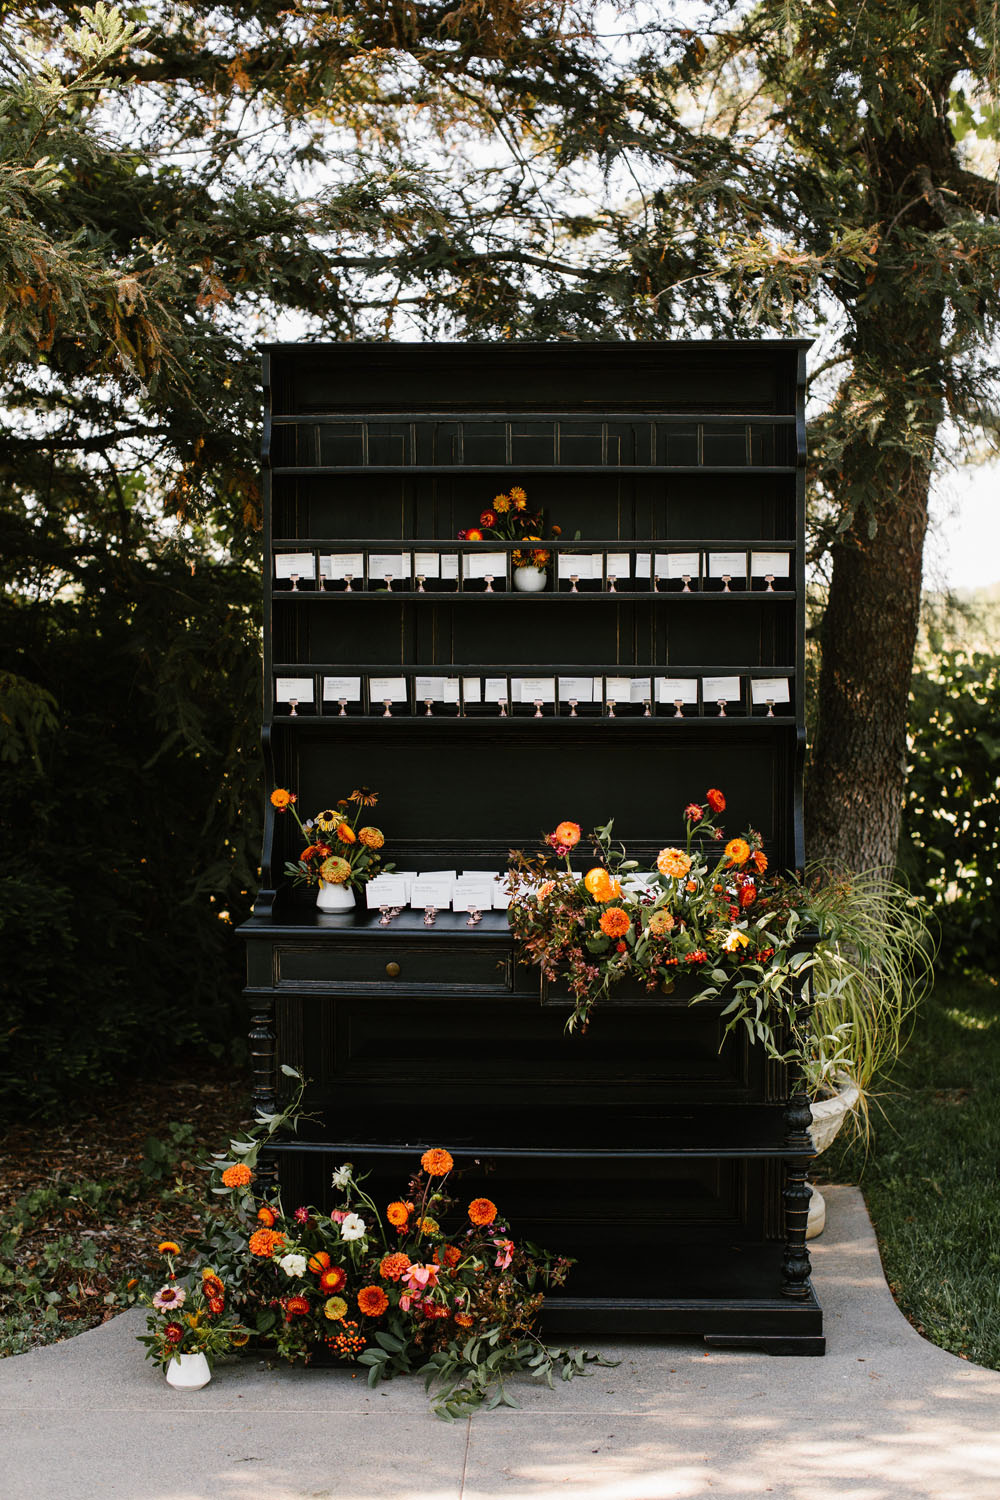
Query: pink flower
[420,1278]
[693,813]
[338,1216]
[505,1253]
[301,1215]
[169,1296]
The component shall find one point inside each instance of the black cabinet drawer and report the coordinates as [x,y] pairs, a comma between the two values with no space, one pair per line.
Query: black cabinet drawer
[426,966]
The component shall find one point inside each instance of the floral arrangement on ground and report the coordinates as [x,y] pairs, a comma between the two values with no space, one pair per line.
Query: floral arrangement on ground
[419,1284]
[708,908]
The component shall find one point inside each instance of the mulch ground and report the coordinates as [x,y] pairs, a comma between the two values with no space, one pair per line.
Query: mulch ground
[115,1175]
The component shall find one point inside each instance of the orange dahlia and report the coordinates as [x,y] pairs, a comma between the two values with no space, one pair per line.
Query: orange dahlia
[482,1211]
[372,1301]
[267,1216]
[397,1214]
[281,799]
[614,922]
[264,1242]
[372,838]
[568,834]
[673,862]
[391,1267]
[237,1176]
[737,851]
[333,1278]
[437,1162]
[715,800]
[598,883]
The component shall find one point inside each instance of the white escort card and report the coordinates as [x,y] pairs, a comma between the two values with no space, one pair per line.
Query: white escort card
[435,564]
[618,565]
[386,890]
[294,689]
[473,890]
[501,895]
[484,565]
[535,689]
[677,690]
[437,689]
[346,689]
[342,565]
[720,690]
[294,565]
[388,565]
[727,564]
[685,565]
[496,690]
[770,690]
[618,689]
[581,565]
[472,690]
[771,565]
[387,690]
[579,688]
[428,890]
[643,565]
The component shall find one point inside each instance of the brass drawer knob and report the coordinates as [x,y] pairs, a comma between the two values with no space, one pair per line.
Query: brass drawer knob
[392,970]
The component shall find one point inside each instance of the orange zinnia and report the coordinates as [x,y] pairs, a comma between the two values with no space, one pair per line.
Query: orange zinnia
[264,1242]
[598,883]
[437,1162]
[614,922]
[237,1176]
[568,834]
[281,799]
[372,1301]
[737,851]
[393,1266]
[673,862]
[482,1211]
[372,838]
[397,1214]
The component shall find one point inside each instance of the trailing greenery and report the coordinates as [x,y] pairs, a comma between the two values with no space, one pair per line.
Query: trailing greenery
[950,846]
[929,1172]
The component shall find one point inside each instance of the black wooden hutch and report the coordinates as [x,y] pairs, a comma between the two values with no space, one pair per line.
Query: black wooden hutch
[672,1168]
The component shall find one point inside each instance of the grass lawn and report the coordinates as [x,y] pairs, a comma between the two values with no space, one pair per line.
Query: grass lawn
[930,1175]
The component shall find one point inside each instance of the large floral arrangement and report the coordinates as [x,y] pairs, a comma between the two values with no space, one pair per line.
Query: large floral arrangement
[337,851]
[432,1281]
[709,907]
[509,519]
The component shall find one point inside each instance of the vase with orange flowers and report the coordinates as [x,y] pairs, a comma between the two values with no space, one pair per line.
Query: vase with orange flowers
[508,518]
[342,849]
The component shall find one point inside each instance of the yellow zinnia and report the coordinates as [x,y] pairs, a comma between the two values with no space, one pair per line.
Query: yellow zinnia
[334,1308]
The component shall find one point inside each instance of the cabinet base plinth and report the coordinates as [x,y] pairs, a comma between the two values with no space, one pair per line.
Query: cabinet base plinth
[770,1326]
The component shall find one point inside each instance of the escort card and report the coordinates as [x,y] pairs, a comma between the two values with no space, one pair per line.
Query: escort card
[733,564]
[638,689]
[535,689]
[437,689]
[473,890]
[472,690]
[775,564]
[299,688]
[496,690]
[342,687]
[642,565]
[426,891]
[582,564]
[580,688]
[435,564]
[301,564]
[342,565]
[395,565]
[677,690]
[501,896]
[481,564]
[770,690]
[678,565]
[715,688]
[619,565]
[393,688]
[386,890]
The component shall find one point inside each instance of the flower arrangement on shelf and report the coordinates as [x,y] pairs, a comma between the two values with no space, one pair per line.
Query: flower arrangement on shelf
[714,910]
[508,519]
[337,851]
[419,1283]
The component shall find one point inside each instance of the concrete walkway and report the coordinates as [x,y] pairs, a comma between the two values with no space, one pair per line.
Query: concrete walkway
[885,1414]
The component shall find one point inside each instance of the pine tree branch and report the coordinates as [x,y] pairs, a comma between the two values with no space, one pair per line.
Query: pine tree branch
[975,191]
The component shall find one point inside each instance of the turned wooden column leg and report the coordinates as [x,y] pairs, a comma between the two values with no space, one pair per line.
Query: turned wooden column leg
[796,1265]
[263,1079]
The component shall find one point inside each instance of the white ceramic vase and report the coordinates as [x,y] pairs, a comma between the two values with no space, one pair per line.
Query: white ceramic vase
[189,1373]
[530,580]
[827,1117]
[334,897]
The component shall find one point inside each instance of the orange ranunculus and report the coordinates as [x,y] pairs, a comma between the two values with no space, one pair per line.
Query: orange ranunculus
[759,861]
[614,922]
[237,1176]
[372,1301]
[568,834]
[598,883]
[715,800]
[267,1216]
[397,1214]
[333,1278]
[264,1242]
[673,862]
[437,1162]
[393,1266]
[482,1211]
[281,799]
[346,834]
[737,851]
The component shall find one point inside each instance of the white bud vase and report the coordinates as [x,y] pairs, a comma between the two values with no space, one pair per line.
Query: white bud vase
[530,580]
[189,1373]
[334,897]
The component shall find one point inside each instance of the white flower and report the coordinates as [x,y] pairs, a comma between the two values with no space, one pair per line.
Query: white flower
[293,1265]
[352,1227]
[735,939]
[342,1176]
